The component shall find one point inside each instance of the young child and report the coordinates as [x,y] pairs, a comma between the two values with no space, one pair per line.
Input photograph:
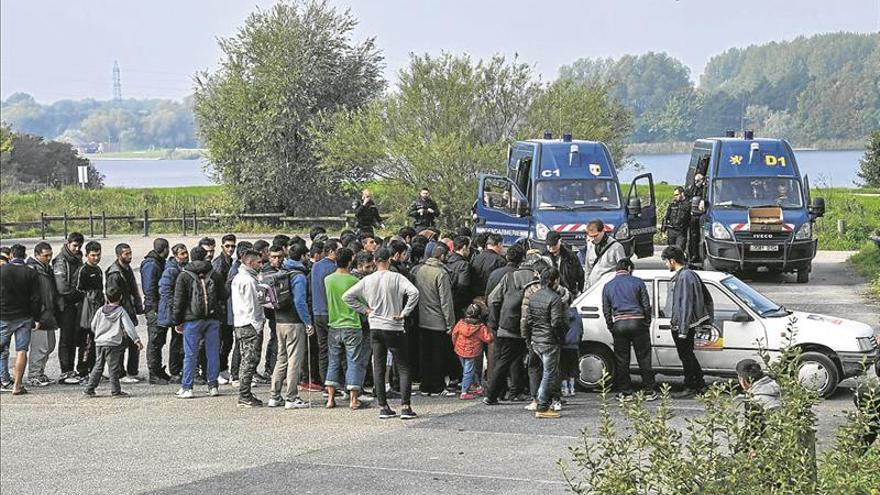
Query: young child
[468,337]
[109,324]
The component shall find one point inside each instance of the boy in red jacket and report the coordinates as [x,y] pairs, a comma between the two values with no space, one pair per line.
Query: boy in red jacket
[468,337]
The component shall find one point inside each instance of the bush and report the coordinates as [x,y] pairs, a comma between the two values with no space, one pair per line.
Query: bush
[719,452]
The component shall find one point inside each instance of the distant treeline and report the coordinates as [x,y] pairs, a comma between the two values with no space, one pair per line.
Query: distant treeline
[815,91]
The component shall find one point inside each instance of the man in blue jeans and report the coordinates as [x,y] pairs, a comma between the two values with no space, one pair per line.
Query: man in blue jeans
[20,307]
[346,339]
[547,323]
[197,295]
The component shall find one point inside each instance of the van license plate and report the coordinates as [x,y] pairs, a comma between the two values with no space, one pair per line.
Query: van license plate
[764,247]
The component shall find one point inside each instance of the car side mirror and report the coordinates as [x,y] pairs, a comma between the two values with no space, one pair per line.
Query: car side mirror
[741,317]
[817,209]
[634,208]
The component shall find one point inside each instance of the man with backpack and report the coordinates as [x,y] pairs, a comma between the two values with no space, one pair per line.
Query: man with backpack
[197,308]
[289,285]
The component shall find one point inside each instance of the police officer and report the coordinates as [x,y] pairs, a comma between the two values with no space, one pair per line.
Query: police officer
[697,196]
[423,210]
[677,221]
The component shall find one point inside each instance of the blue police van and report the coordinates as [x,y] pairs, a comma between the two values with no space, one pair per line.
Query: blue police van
[756,210]
[560,185]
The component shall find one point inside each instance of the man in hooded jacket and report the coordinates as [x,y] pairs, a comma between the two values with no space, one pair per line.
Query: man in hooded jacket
[151,271]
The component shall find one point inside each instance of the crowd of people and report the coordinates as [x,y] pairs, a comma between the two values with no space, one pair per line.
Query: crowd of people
[354,317]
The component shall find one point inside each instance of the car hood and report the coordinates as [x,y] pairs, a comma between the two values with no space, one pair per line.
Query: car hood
[836,333]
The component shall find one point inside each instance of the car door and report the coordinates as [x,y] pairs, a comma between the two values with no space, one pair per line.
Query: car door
[501,208]
[643,225]
[722,347]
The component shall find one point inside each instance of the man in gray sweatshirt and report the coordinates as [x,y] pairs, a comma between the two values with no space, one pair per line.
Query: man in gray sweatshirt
[387,298]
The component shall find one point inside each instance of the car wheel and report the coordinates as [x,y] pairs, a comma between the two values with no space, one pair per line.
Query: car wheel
[803,275]
[819,373]
[594,362]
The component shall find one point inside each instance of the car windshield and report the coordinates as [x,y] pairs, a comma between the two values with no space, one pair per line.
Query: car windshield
[753,299]
[586,194]
[746,192]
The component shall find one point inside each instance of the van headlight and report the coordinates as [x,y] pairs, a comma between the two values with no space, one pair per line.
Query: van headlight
[622,232]
[720,232]
[541,231]
[805,232]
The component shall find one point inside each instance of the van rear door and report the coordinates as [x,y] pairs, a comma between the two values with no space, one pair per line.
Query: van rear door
[642,223]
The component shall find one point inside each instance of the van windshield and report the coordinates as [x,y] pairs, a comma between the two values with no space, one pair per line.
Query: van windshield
[585,194]
[747,192]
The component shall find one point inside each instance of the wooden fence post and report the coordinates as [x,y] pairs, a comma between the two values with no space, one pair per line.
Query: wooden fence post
[65,226]
[195,222]
[183,222]
[43,225]
[104,224]
[91,225]
[146,224]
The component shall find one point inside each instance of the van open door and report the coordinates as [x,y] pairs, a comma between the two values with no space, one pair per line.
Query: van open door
[501,208]
[641,214]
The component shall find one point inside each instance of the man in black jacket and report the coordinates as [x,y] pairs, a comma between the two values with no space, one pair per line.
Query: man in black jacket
[677,220]
[423,210]
[571,273]
[20,307]
[91,283]
[547,318]
[486,262]
[66,266]
[197,307]
[222,264]
[43,340]
[366,213]
[151,271]
[120,280]
[460,275]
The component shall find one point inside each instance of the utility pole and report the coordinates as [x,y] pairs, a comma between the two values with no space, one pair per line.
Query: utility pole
[117,84]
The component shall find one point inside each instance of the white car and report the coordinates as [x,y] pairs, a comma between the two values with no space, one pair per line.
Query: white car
[833,349]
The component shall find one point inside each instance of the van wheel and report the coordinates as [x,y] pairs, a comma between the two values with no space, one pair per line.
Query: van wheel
[803,274]
[819,373]
[594,363]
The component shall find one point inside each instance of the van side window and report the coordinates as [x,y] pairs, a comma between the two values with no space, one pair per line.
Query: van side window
[499,194]
[699,164]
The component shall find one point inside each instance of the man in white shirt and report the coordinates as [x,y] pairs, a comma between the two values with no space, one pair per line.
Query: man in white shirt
[248,318]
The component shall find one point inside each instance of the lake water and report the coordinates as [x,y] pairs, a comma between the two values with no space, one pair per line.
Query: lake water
[832,168]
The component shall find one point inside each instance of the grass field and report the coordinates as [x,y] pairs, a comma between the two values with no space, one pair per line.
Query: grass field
[867,263]
[858,208]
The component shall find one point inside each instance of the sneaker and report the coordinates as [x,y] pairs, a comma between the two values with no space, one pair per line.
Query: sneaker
[185,394]
[44,380]
[407,413]
[490,402]
[533,406]
[179,391]
[6,386]
[556,405]
[157,380]
[250,402]
[520,398]
[387,413]
[120,395]
[548,414]
[129,379]
[273,402]
[450,393]
[296,403]
[651,395]
[477,390]
[223,378]
[366,397]
[625,397]
[429,394]
[69,379]
[34,382]
[213,391]
[234,382]
[312,387]
[467,396]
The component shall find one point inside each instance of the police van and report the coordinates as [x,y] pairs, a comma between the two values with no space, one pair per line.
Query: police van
[756,209]
[560,185]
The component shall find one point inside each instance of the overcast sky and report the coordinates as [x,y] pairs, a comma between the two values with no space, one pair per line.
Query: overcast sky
[61,49]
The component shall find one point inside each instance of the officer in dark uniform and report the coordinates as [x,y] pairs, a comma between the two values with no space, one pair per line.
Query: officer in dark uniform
[677,221]
[697,200]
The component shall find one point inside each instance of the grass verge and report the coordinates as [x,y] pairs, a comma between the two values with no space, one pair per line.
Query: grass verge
[867,263]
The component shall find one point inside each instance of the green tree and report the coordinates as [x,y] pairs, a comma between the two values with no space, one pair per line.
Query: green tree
[869,165]
[286,65]
[28,162]
[587,110]
[448,120]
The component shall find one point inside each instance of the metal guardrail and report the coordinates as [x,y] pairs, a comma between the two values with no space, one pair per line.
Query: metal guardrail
[189,221]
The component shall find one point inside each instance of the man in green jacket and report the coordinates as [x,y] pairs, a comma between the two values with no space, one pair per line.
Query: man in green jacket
[436,319]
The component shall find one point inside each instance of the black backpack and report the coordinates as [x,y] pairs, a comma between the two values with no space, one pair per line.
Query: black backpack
[278,283]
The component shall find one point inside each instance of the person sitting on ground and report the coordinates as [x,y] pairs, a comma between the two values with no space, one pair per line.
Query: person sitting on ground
[762,395]
[468,336]
[109,325]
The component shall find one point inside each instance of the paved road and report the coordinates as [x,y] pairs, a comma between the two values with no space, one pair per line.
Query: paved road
[53,441]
